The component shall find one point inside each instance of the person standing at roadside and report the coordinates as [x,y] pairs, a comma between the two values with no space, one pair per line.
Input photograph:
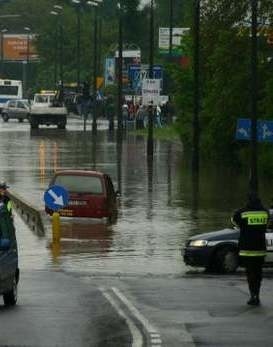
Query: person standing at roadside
[252,221]
[4,199]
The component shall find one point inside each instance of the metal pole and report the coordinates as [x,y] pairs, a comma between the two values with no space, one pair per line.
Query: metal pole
[150,141]
[2,54]
[120,59]
[78,48]
[195,123]
[171,30]
[61,61]
[27,67]
[253,182]
[95,63]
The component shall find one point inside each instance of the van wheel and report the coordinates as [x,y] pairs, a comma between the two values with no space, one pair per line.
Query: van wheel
[10,298]
[20,120]
[226,260]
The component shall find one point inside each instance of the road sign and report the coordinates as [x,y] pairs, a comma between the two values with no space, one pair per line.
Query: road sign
[264,130]
[137,73]
[56,197]
[150,92]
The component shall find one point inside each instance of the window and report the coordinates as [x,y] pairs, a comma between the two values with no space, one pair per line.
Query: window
[12,104]
[80,184]
[21,104]
[8,90]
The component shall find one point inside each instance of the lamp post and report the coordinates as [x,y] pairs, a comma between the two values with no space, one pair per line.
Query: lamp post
[4,30]
[120,63]
[78,54]
[95,62]
[150,141]
[171,30]
[26,74]
[253,181]
[60,29]
[195,122]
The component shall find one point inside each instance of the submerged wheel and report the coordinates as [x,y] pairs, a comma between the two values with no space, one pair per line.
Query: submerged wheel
[226,260]
[10,298]
[5,117]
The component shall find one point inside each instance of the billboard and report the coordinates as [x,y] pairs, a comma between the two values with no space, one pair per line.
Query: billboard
[15,47]
[130,57]
[164,40]
[109,74]
[137,73]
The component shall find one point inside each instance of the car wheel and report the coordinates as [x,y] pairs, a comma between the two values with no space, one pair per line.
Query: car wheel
[34,125]
[5,117]
[226,260]
[20,120]
[10,298]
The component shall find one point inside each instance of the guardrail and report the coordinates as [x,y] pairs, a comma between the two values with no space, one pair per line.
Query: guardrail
[30,214]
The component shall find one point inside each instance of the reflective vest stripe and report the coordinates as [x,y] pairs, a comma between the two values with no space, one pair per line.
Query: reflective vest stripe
[255,217]
[9,206]
[252,253]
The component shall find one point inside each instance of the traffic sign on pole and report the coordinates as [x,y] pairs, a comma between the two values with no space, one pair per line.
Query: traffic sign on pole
[56,197]
[264,130]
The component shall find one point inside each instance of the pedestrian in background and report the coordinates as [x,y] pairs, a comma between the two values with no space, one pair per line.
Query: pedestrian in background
[252,221]
[4,198]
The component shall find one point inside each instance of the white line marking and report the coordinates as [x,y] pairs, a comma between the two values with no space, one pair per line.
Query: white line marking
[136,334]
[157,341]
[146,324]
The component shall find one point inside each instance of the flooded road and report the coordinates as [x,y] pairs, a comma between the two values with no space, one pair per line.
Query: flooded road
[160,205]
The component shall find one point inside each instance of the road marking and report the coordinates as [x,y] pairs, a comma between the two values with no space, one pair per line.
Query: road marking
[153,333]
[135,332]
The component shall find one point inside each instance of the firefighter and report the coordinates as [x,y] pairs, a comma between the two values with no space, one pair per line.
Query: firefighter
[252,221]
[4,199]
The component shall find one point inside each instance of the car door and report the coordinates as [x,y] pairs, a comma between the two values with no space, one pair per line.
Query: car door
[21,110]
[11,108]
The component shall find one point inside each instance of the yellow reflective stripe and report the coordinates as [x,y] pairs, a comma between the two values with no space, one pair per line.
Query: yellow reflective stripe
[255,217]
[252,253]
[9,206]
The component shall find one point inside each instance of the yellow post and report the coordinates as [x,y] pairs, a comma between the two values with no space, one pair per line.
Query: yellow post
[56,228]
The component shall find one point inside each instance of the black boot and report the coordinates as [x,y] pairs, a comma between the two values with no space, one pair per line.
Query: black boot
[254,300]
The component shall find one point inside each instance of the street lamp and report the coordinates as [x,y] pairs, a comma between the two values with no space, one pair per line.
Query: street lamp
[4,30]
[57,12]
[78,60]
[95,4]
[195,122]
[120,63]
[26,62]
[253,181]
[150,141]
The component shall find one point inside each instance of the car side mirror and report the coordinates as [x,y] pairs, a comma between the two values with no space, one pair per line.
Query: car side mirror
[5,244]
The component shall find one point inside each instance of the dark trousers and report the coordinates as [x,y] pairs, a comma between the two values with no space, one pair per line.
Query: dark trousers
[254,273]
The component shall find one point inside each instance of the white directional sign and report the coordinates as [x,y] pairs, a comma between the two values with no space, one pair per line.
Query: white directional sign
[150,92]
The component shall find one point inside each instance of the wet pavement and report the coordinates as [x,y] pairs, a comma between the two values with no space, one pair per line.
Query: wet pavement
[134,266]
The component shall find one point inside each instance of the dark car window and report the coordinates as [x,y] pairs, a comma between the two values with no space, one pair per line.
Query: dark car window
[80,184]
[12,104]
[21,104]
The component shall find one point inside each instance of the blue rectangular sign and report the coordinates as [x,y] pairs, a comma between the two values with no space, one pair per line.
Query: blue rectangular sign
[264,130]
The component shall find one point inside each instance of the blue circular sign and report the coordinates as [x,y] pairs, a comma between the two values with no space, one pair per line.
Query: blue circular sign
[56,197]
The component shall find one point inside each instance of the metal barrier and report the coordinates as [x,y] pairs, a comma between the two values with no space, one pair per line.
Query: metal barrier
[30,214]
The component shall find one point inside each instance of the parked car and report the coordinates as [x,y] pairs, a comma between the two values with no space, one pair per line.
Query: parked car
[218,251]
[91,194]
[9,270]
[16,109]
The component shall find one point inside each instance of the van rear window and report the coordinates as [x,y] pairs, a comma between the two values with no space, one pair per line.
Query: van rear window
[80,184]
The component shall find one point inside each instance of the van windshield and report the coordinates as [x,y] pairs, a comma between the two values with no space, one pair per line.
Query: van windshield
[80,184]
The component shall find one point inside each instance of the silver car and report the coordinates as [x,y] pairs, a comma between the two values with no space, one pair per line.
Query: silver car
[16,109]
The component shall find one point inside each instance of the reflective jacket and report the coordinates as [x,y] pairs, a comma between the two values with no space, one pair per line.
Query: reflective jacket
[5,201]
[252,223]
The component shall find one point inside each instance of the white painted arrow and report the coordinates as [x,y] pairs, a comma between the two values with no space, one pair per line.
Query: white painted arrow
[58,200]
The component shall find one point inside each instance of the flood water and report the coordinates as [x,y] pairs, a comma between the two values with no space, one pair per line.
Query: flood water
[161,205]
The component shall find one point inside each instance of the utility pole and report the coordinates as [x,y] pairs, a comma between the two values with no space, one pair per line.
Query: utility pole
[253,182]
[171,30]
[195,122]
[95,64]
[150,141]
[120,63]
[78,47]
[61,61]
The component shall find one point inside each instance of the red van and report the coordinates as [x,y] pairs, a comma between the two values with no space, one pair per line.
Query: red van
[91,194]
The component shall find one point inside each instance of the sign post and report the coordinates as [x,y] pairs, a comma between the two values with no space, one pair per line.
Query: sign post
[56,197]
[151,92]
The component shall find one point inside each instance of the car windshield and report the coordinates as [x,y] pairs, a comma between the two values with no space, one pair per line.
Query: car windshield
[80,184]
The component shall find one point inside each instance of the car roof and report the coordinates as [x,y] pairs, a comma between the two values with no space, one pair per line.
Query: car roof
[80,173]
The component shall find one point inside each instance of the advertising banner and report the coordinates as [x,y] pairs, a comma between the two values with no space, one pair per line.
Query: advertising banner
[151,92]
[109,71]
[164,40]
[18,47]
[137,73]
[130,57]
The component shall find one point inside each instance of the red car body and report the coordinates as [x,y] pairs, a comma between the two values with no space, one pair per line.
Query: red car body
[91,194]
